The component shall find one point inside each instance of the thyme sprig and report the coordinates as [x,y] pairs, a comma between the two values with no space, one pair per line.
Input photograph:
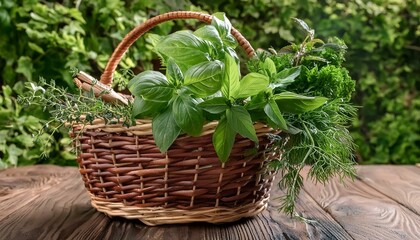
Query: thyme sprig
[72,108]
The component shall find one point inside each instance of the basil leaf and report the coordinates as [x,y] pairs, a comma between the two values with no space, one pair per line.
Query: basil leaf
[291,95]
[224,27]
[240,121]
[187,115]
[274,114]
[232,53]
[204,78]
[221,23]
[223,139]
[146,108]
[165,130]
[151,85]
[230,82]
[252,84]
[173,72]
[154,39]
[270,67]
[286,77]
[257,102]
[185,48]
[295,103]
[214,105]
[209,33]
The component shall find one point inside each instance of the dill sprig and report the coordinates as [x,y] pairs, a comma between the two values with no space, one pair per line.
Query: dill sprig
[324,144]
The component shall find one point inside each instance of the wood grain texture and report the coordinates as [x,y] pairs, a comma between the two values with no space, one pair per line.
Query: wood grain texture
[50,202]
[364,212]
[401,183]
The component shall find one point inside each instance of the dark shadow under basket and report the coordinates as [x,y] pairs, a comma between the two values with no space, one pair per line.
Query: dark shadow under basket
[128,176]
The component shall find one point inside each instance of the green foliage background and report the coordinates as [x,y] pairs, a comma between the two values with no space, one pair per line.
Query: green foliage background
[47,38]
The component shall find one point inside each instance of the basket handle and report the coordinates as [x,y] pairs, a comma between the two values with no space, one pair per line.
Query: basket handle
[133,35]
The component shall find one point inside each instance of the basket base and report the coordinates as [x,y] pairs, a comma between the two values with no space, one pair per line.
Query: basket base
[153,216]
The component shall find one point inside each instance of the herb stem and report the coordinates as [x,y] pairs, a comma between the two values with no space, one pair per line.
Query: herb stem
[310,139]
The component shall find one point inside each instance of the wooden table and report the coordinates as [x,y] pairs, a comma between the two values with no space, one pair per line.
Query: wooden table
[50,202]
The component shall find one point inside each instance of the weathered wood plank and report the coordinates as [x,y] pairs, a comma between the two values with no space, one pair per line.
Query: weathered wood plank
[49,202]
[364,212]
[400,183]
[43,205]
[320,224]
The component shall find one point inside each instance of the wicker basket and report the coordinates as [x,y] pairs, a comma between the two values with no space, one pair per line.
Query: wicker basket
[128,176]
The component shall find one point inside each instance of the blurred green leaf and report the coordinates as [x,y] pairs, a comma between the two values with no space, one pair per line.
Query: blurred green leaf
[25,67]
[13,153]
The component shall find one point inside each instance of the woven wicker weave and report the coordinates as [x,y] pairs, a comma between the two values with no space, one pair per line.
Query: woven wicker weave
[128,176]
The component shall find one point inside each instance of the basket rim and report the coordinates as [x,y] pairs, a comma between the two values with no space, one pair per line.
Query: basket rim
[144,127]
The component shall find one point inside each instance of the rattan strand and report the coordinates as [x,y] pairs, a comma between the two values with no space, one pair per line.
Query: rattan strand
[153,216]
[144,127]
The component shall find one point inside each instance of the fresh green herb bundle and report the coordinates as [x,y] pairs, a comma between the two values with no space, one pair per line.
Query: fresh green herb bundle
[73,108]
[203,83]
[302,90]
[317,136]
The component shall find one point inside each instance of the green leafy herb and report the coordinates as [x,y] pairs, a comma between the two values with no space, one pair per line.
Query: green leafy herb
[330,81]
[174,73]
[146,108]
[286,77]
[65,108]
[223,139]
[324,143]
[187,115]
[165,129]
[214,105]
[295,103]
[152,86]
[224,27]
[273,113]
[230,82]
[184,48]
[209,33]
[82,107]
[252,84]
[313,96]
[204,78]
[240,121]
